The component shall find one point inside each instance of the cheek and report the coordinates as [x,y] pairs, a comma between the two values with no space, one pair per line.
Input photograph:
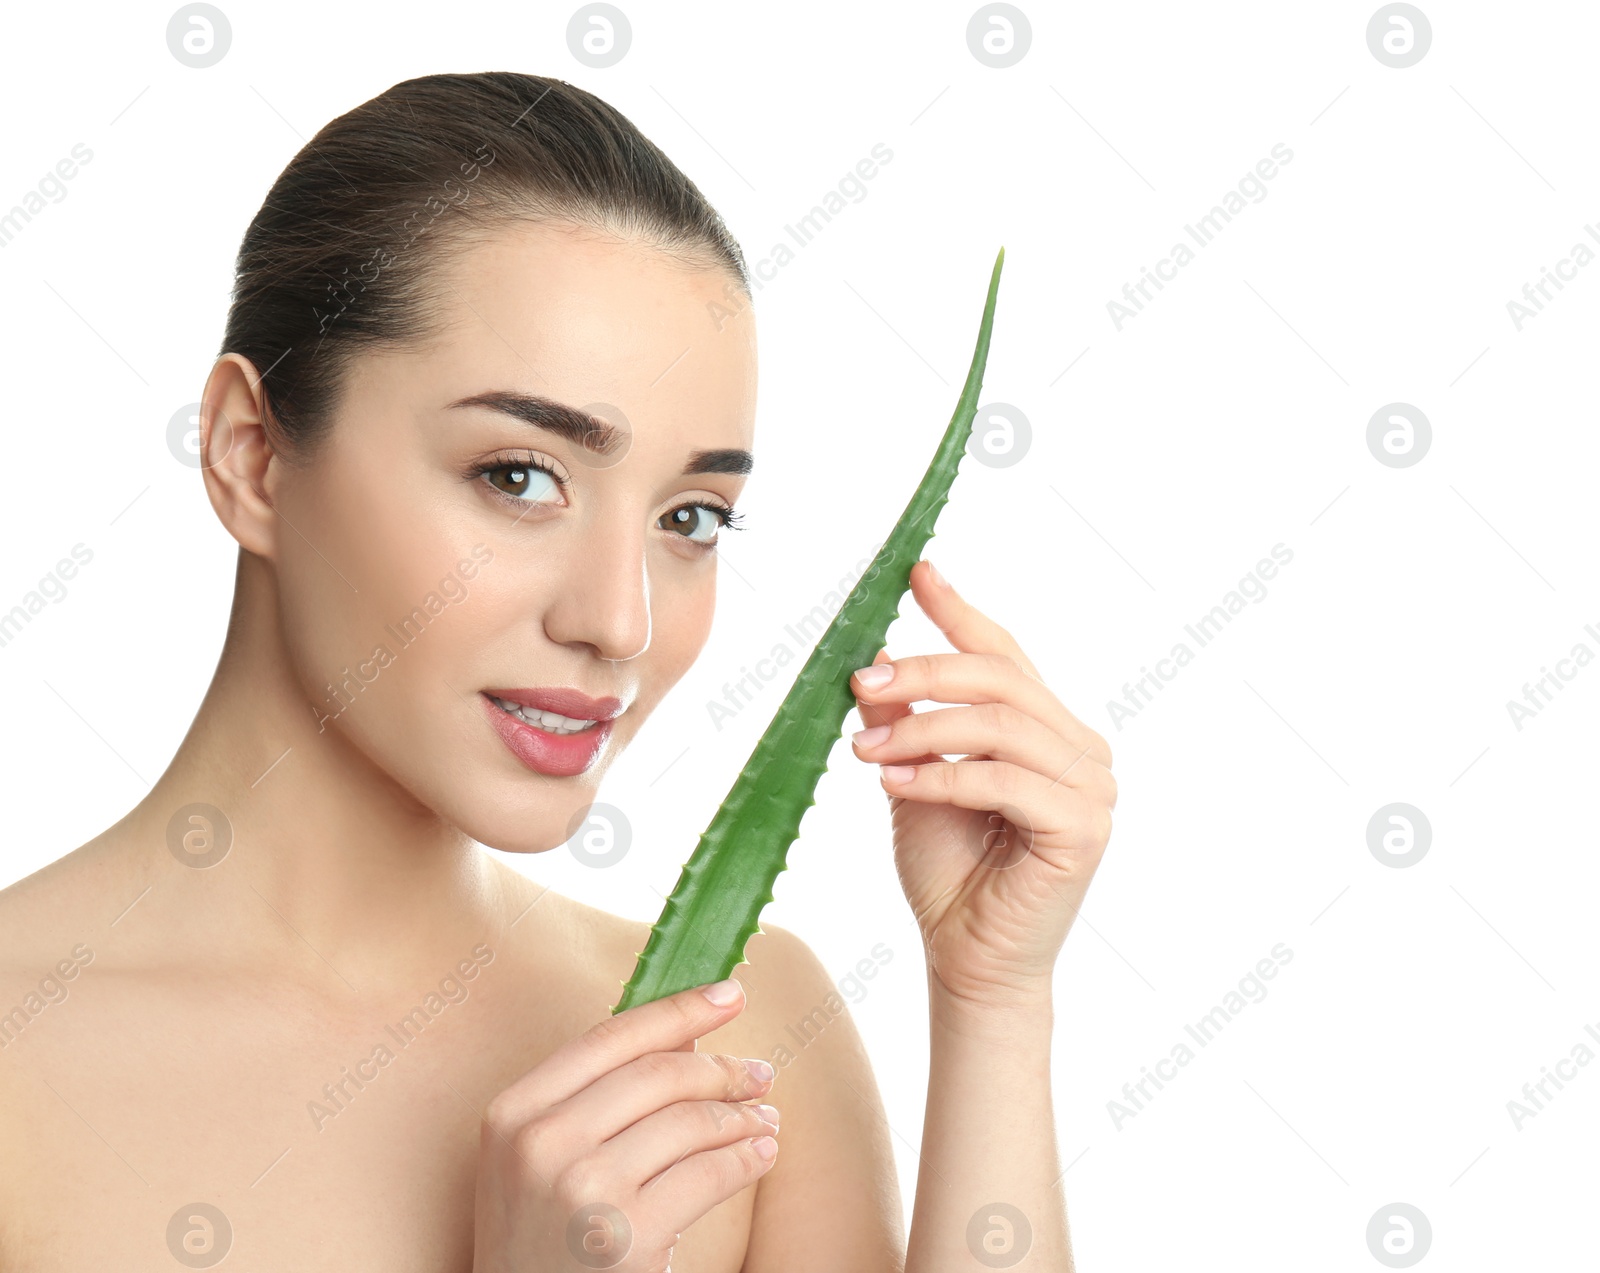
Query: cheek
[681,615]
[689,623]
[374,601]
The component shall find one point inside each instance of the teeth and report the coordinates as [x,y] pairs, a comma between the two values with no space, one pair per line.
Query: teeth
[550,722]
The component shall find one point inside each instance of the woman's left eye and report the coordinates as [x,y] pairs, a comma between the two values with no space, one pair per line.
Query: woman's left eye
[698,523]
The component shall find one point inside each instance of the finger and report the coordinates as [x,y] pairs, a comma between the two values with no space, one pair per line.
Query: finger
[650,1146]
[989,731]
[978,678]
[964,625]
[878,715]
[1034,804]
[881,713]
[642,1087]
[687,1190]
[659,1026]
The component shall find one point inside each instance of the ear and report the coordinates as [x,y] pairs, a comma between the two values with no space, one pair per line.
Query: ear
[236,456]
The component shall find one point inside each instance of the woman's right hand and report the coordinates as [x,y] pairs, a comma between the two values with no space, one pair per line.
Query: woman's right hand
[606,1151]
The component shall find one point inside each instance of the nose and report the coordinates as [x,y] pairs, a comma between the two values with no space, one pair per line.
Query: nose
[603,598]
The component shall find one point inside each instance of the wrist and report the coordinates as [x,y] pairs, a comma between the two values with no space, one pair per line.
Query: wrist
[999,1014]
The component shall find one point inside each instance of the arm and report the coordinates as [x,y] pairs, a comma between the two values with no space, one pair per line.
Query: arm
[989,1161]
[995,852]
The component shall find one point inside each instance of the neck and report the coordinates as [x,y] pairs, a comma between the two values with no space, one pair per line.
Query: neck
[328,852]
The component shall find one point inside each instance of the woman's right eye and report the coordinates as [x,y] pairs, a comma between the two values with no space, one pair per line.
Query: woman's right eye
[525,482]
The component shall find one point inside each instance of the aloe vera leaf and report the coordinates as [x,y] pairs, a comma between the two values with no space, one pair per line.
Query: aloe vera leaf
[715,908]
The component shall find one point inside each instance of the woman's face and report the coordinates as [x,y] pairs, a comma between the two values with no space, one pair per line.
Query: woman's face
[436,575]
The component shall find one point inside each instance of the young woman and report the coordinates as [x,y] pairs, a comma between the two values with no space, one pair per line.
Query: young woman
[287,1010]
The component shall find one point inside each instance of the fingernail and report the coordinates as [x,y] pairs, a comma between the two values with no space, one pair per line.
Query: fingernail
[766,1147]
[768,1115]
[876,676]
[723,993]
[933,573]
[872,737]
[898,773]
[760,1071]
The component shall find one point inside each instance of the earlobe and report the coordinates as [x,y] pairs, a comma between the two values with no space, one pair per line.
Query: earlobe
[236,454]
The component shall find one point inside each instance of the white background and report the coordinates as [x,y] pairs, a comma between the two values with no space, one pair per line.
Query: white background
[1229,416]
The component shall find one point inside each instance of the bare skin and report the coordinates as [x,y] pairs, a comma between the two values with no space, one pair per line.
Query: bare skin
[203,1047]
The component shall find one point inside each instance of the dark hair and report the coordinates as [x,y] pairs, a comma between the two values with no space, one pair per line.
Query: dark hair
[342,254]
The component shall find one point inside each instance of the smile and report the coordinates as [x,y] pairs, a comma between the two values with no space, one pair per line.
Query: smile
[550,722]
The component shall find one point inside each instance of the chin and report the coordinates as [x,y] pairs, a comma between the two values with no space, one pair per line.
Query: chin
[526,812]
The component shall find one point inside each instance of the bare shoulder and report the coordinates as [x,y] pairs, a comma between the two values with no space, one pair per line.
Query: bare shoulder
[781,974]
[25,902]
[54,924]
[836,1154]
[794,1006]
[65,904]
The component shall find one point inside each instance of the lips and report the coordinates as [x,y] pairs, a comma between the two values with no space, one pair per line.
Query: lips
[570,703]
[555,754]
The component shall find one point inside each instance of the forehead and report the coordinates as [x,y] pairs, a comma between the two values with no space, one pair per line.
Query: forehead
[584,317]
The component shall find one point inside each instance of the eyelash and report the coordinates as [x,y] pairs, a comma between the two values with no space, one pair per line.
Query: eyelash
[728,518]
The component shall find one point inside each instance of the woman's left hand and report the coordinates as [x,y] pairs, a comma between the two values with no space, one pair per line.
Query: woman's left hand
[994,850]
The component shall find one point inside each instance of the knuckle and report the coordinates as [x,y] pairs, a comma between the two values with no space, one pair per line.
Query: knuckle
[1007,778]
[585,1181]
[1003,665]
[1100,827]
[697,1116]
[735,1166]
[658,1068]
[750,1163]
[690,1010]
[534,1141]
[721,1114]
[569,1194]
[501,1114]
[728,1072]
[608,1033]
[996,718]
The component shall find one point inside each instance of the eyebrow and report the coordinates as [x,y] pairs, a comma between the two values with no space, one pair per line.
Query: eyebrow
[594,434]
